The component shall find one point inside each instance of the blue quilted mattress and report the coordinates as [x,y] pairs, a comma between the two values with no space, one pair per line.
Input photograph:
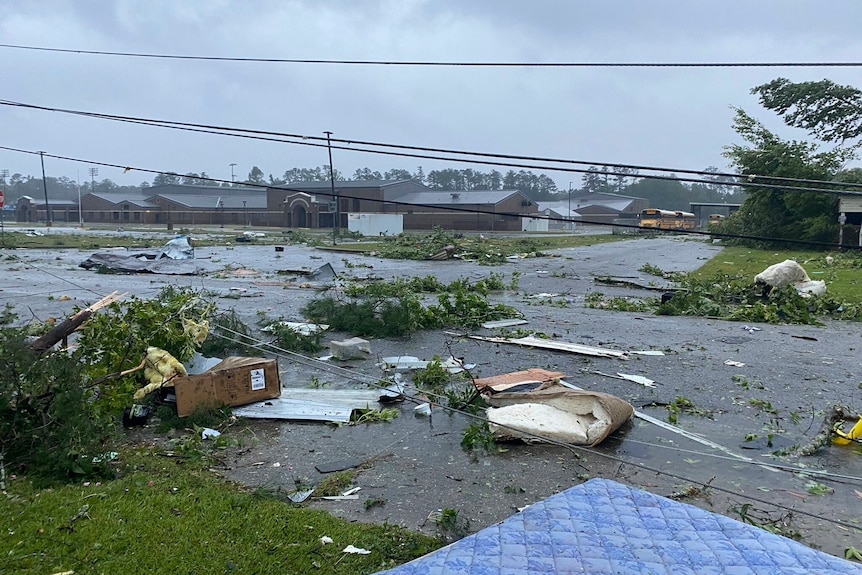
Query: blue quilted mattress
[604,527]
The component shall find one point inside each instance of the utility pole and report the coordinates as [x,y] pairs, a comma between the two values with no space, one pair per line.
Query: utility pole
[3,174]
[80,210]
[336,223]
[569,215]
[232,177]
[45,188]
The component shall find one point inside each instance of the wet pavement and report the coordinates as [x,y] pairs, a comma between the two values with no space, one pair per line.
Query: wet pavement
[416,464]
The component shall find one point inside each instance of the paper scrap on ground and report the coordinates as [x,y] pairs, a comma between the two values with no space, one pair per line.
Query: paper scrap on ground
[733,363]
[356,550]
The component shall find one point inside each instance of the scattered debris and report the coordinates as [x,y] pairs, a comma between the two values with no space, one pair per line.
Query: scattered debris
[452,365]
[175,258]
[834,417]
[325,539]
[423,409]
[790,273]
[299,496]
[733,363]
[639,379]
[655,352]
[855,434]
[356,550]
[751,329]
[557,413]
[340,465]
[233,381]
[612,281]
[531,341]
[517,381]
[209,433]
[301,328]
[334,405]
[503,323]
[353,348]
[805,337]
[446,253]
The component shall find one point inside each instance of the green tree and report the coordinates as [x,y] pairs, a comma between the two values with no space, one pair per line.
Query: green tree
[397,174]
[830,112]
[366,175]
[776,212]
[166,179]
[255,176]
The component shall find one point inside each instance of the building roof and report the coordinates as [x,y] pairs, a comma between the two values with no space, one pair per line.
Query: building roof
[252,201]
[136,199]
[341,184]
[202,190]
[458,197]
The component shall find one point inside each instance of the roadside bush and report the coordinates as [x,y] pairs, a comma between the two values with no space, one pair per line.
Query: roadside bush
[58,410]
[49,423]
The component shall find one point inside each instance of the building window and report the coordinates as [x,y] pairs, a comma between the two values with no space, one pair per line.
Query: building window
[137,216]
[355,204]
[116,216]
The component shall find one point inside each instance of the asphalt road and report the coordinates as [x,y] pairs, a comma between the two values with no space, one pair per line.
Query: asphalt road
[416,464]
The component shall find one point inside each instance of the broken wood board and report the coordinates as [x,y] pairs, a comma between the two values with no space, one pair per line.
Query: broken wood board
[334,405]
[508,381]
[531,341]
[556,413]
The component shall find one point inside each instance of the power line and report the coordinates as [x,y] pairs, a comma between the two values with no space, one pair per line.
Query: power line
[341,194]
[748,180]
[443,63]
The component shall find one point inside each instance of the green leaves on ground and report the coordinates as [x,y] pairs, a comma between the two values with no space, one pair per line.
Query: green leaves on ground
[395,308]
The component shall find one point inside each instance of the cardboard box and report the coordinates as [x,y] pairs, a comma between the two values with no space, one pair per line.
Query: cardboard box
[233,381]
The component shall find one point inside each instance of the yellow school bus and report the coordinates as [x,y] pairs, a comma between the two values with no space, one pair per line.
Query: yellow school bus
[654,218]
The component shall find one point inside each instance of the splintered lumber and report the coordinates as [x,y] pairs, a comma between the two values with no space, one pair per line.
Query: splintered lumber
[73,322]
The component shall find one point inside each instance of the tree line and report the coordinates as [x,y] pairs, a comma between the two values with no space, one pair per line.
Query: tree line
[667,193]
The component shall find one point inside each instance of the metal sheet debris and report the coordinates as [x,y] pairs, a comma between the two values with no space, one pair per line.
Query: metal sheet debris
[334,405]
[503,323]
[531,341]
[409,362]
[353,348]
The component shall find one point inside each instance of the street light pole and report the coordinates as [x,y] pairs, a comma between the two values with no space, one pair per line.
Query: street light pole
[337,221]
[45,188]
[93,173]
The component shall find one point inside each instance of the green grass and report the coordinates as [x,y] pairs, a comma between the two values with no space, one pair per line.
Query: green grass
[843,276]
[174,516]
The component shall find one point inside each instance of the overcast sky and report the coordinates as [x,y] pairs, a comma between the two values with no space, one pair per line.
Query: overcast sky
[671,117]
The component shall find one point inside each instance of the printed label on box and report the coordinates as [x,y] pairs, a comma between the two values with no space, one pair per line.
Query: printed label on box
[258,381]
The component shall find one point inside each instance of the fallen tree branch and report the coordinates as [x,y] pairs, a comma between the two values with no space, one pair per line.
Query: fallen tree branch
[824,436]
[73,322]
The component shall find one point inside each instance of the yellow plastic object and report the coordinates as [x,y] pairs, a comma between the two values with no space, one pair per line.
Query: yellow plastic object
[159,367]
[845,438]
